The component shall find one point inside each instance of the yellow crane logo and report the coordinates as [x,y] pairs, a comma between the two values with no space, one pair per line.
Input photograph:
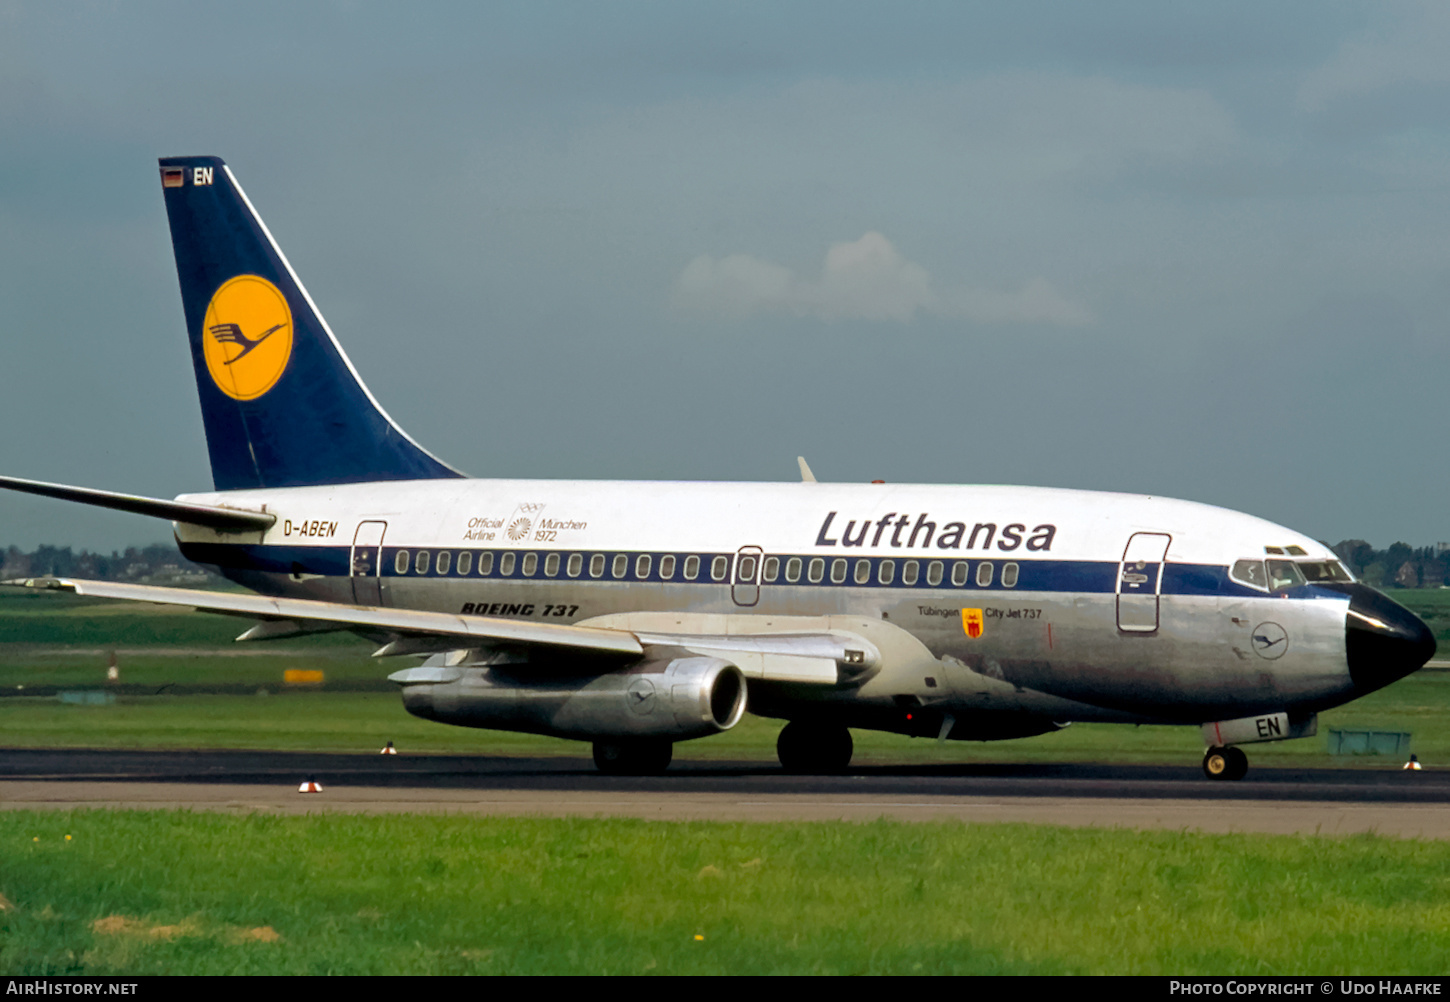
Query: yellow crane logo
[247,336]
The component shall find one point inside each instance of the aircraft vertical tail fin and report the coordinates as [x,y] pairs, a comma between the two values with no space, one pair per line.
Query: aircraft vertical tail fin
[281,403]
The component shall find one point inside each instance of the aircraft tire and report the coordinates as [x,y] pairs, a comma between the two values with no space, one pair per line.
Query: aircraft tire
[1225,763]
[633,758]
[814,748]
[1238,763]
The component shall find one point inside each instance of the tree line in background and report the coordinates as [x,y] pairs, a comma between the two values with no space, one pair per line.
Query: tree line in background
[1400,566]
[159,563]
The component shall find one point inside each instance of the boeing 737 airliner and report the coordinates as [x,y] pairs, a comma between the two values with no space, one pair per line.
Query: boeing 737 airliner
[635,615]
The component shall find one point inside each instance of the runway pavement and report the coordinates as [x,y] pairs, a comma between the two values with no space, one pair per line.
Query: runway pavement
[1304,801]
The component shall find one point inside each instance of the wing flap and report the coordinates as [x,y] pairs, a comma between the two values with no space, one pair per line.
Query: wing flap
[819,658]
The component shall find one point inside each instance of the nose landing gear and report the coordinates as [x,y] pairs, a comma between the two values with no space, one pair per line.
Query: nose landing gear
[1225,763]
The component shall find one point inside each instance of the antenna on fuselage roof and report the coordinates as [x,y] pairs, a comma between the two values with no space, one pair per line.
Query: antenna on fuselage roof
[807,477]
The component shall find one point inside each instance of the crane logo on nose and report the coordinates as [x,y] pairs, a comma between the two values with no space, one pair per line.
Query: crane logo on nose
[1270,641]
[247,336]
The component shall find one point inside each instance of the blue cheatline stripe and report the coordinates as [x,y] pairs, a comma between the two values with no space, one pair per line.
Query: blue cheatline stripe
[1034,575]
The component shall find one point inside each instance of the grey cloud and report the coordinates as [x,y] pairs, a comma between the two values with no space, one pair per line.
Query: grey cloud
[1408,50]
[864,279]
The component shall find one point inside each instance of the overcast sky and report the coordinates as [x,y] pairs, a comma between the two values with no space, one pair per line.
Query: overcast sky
[1199,250]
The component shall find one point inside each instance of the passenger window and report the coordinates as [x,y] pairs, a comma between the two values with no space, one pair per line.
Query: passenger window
[667,567]
[531,564]
[444,559]
[746,569]
[642,565]
[817,570]
[465,562]
[838,571]
[506,565]
[420,565]
[959,573]
[400,562]
[719,567]
[1283,575]
[551,565]
[621,565]
[1251,573]
[485,563]
[984,574]
[596,566]
[909,571]
[933,573]
[886,572]
[576,564]
[692,567]
[793,569]
[772,569]
[1009,575]
[863,571]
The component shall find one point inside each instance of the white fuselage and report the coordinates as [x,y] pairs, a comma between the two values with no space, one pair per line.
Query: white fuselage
[1087,606]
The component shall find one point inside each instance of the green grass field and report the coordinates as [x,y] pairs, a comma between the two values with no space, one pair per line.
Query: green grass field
[164,893]
[364,721]
[50,641]
[1433,606]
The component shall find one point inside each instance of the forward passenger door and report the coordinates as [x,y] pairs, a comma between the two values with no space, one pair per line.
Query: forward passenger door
[1140,581]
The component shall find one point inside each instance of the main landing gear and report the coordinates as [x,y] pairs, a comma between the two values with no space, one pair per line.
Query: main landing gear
[814,748]
[1225,763]
[638,757]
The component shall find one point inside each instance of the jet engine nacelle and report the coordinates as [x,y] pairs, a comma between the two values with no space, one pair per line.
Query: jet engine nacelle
[674,698]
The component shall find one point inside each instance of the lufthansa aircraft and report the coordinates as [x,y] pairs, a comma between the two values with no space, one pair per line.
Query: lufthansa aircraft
[635,615]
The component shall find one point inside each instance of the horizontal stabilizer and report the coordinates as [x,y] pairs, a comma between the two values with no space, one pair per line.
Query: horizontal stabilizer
[220,519]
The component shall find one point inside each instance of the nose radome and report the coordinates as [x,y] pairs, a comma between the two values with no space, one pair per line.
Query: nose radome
[1383,641]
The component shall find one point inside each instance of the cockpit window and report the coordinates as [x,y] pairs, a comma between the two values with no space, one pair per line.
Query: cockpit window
[1283,575]
[1316,571]
[1251,573]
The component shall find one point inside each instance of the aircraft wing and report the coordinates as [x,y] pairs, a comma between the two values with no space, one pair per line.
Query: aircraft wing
[449,630]
[809,657]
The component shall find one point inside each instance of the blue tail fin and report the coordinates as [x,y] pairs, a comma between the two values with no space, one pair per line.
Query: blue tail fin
[282,405]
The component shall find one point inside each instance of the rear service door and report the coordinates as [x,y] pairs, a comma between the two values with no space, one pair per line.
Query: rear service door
[1140,581]
[367,550]
[745,585]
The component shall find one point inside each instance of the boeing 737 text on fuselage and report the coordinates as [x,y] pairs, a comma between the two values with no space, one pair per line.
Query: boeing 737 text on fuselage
[636,615]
